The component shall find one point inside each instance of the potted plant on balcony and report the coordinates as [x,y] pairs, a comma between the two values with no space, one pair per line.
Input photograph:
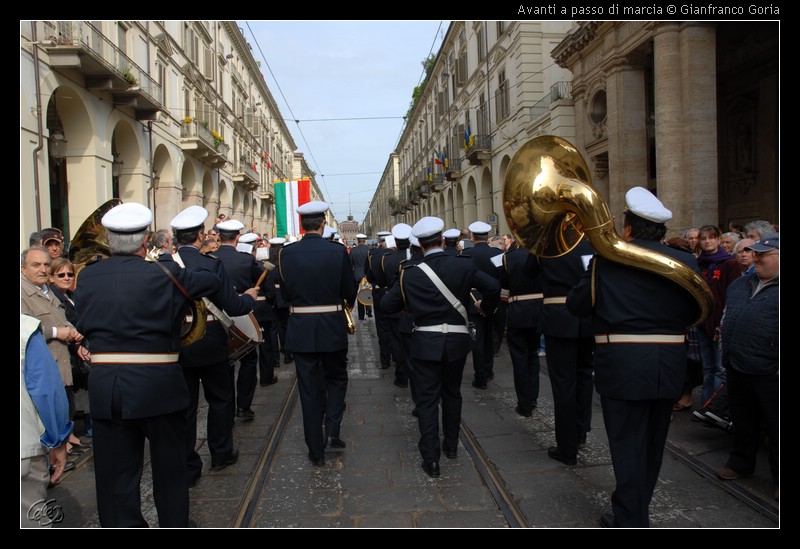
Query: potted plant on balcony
[217,139]
[127,74]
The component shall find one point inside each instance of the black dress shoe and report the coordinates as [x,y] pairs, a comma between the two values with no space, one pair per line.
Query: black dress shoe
[556,454]
[335,444]
[431,468]
[608,521]
[401,384]
[414,412]
[450,453]
[317,462]
[233,458]
[272,381]
[523,413]
[581,440]
[288,359]
[384,366]
[246,415]
[534,404]
[479,384]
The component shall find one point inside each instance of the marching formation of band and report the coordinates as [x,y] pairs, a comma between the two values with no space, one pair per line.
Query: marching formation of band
[434,301]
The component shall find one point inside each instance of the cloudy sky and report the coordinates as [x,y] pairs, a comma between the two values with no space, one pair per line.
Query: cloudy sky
[363,70]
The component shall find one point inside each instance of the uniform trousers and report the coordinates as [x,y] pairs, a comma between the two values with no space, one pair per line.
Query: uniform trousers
[382,328]
[246,380]
[637,431]
[483,347]
[438,381]
[406,339]
[396,344]
[523,346]
[569,365]
[118,462]
[277,334]
[499,325]
[266,354]
[754,400]
[322,384]
[218,391]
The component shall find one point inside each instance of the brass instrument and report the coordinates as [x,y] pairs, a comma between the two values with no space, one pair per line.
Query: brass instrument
[549,204]
[91,242]
[364,295]
[351,322]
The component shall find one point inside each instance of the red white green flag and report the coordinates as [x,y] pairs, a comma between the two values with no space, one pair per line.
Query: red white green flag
[288,196]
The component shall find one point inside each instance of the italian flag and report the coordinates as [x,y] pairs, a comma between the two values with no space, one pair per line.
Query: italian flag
[288,196]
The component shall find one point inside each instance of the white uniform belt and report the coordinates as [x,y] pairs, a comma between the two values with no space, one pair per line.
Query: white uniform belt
[313,309]
[555,300]
[278,286]
[134,358]
[524,297]
[209,318]
[443,329]
[261,298]
[640,338]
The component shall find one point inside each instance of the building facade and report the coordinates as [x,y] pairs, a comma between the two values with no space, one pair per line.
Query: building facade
[166,113]
[686,109]
[492,86]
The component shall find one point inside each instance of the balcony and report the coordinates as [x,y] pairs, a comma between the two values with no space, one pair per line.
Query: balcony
[559,90]
[246,176]
[424,190]
[81,52]
[267,196]
[438,182]
[480,151]
[199,142]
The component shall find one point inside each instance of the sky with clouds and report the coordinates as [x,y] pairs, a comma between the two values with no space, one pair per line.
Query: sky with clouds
[338,70]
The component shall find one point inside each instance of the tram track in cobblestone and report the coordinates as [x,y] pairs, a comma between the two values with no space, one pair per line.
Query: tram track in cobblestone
[250,497]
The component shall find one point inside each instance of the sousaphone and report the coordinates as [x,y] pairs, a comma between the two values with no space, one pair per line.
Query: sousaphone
[90,243]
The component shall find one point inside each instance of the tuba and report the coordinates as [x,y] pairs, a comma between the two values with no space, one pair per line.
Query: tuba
[550,204]
[91,243]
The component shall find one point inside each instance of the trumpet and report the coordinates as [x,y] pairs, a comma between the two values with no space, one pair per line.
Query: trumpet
[348,315]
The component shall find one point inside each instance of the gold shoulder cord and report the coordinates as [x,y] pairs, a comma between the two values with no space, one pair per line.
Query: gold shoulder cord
[402,291]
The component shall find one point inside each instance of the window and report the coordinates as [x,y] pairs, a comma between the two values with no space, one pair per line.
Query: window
[161,76]
[187,102]
[122,38]
[503,105]
[481,116]
[191,43]
[481,42]
[501,28]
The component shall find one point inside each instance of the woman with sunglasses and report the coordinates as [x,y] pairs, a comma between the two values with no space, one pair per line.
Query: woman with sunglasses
[62,282]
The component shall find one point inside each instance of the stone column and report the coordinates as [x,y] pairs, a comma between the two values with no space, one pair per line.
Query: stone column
[700,174]
[670,130]
[626,130]
[167,202]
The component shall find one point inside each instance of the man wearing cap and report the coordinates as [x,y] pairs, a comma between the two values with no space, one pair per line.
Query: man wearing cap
[440,341]
[132,311]
[386,277]
[53,242]
[751,355]
[243,271]
[451,237]
[358,258]
[639,320]
[207,359]
[316,279]
[483,347]
[371,267]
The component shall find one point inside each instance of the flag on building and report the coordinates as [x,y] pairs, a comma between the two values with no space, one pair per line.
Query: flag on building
[437,159]
[468,138]
[288,196]
[445,159]
[430,174]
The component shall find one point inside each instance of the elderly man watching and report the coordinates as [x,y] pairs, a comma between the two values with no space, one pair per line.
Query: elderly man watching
[744,256]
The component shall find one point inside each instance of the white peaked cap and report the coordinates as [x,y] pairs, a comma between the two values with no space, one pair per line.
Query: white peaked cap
[230,225]
[401,231]
[316,207]
[643,203]
[427,226]
[191,217]
[127,218]
[479,227]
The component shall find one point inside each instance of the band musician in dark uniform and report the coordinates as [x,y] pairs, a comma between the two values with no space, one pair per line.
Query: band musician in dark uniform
[207,359]
[451,237]
[639,320]
[483,347]
[371,268]
[568,346]
[440,341]
[522,319]
[316,278]
[358,258]
[386,277]
[244,272]
[133,311]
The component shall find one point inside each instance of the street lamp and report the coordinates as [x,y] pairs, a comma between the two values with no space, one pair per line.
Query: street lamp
[116,165]
[58,147]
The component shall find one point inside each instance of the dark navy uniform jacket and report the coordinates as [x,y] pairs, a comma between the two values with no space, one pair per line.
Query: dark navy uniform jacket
[560,275]
[388,272]
[520,314]
[418,293]
[274,294]
[213,347]
[635,301]
[482,253]
[358,258]
[128,305]
[243,269]
[317,272]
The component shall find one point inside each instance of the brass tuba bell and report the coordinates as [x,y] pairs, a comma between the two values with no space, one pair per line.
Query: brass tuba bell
[549,204]
[91,242]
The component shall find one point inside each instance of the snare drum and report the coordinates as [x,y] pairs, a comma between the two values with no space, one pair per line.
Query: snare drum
[243,336]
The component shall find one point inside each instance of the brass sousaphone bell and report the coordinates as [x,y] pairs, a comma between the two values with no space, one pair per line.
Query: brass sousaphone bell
[550,204]
[91,243]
